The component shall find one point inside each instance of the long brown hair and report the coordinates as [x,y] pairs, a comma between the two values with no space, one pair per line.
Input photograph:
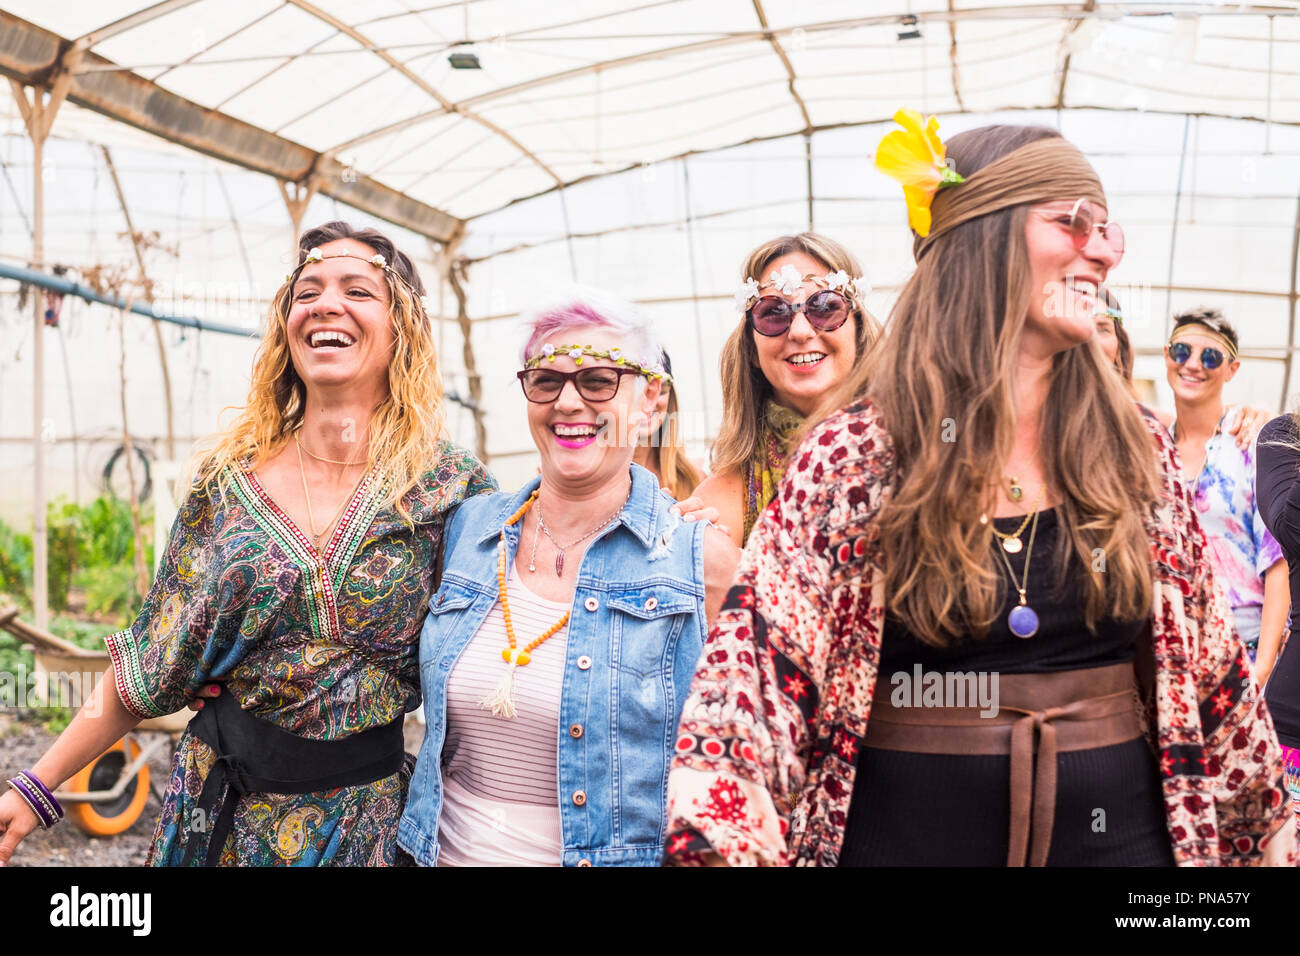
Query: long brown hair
[943,380]
[405,429]
[745,388]
[1124,353]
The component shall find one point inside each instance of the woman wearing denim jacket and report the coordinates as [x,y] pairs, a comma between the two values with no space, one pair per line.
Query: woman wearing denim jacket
[562,639]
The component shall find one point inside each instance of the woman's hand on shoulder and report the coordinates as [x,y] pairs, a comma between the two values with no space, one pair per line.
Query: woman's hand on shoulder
[723,494]
[1245,423]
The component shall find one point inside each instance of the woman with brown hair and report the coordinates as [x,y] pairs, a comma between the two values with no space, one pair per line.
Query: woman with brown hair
[953,585]
[1112,336]
[298,572]
[804,326]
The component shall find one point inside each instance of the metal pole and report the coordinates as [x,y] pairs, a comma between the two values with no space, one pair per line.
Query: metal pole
[1173,232]
[40,571]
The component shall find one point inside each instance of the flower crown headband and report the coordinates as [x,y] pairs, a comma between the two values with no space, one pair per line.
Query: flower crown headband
[377,260]
[789,279]
[647,367]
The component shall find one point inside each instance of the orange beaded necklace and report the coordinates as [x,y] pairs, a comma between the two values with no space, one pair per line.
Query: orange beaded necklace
[501,701]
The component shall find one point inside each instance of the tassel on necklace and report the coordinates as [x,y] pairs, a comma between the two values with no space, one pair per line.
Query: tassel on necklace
[502,700]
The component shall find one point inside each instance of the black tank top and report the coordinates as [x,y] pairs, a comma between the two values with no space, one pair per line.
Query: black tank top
[953,810]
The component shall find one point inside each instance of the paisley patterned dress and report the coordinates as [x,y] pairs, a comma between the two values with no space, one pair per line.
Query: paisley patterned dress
[323,644]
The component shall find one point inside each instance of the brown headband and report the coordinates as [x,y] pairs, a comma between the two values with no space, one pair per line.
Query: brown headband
[1040,171]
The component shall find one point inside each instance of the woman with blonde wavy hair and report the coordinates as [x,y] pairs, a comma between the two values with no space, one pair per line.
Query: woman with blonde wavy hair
[297,574]
[963,624]
[804,325]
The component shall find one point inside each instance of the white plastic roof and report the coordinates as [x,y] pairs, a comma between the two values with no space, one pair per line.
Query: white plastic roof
[683,132]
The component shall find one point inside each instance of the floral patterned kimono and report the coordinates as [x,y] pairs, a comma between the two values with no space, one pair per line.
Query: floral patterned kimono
[767,748]
[321,644]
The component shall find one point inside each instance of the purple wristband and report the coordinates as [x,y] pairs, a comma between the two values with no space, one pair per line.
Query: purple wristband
[29,797]
[38,797]
[35,781]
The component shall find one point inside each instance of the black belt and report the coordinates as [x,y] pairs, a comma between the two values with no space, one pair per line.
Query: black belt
[254,756]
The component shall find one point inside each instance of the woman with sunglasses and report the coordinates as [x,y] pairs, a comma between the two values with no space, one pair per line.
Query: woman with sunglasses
[804,324]
[935,647]
[1200,359]
[562,639]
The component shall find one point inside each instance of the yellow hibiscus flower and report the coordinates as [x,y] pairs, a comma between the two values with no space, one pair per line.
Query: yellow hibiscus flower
[915,156]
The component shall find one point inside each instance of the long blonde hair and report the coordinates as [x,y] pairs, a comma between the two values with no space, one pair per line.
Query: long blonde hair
[943,380]
[405,430]
[676,473]
[745,388]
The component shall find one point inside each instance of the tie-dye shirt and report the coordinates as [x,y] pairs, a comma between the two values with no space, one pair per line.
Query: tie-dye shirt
[1241,548]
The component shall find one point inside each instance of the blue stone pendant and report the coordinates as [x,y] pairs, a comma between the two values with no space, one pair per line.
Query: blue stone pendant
[1023,621]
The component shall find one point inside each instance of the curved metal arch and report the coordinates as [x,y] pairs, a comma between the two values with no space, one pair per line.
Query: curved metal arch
[447,106]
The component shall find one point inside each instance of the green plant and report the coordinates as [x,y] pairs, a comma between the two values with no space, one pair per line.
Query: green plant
[62,532]
[15,566]
[110,590]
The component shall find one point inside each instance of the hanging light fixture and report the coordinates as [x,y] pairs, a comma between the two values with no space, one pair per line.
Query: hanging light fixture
[912,31]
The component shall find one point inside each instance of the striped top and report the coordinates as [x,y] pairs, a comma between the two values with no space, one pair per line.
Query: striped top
[492,763]
[511,760]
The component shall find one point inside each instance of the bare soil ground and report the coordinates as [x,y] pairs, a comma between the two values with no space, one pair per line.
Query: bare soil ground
[23,740]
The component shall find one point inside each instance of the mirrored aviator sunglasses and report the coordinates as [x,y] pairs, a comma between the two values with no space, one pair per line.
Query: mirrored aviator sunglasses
[1181,352]
[825,310]
[1083,220]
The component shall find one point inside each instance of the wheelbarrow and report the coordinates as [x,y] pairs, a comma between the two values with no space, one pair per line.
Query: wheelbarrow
[110,793]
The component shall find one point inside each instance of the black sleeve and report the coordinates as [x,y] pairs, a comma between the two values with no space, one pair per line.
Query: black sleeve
[1277,482]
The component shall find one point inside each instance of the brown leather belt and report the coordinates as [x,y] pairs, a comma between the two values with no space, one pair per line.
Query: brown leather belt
[1043,714]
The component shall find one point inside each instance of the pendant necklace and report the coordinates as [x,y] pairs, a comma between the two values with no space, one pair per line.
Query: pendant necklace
[1023,620]
[559,550]
[1011,543]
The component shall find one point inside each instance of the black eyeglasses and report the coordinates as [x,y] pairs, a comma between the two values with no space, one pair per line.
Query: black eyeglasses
[598,384]
[1180,352]
[773,315]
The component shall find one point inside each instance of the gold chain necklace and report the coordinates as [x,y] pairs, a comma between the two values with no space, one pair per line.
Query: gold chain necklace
[311,519]
[501,702]
[1022,621]
[328,461]
[1011,543]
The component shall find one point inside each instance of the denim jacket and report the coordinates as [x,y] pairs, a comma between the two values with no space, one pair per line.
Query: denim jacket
[636,628]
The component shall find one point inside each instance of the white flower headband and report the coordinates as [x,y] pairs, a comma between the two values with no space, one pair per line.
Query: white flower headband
[789,279]
[378,261]
[647,367]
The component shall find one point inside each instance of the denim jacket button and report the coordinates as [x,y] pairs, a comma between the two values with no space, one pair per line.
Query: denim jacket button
[584,863]
[579,797]
[441,598]
[575,731]
[651,603]
[591,604]
[584,663]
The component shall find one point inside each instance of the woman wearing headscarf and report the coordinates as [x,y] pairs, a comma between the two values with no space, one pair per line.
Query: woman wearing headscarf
[941,632]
